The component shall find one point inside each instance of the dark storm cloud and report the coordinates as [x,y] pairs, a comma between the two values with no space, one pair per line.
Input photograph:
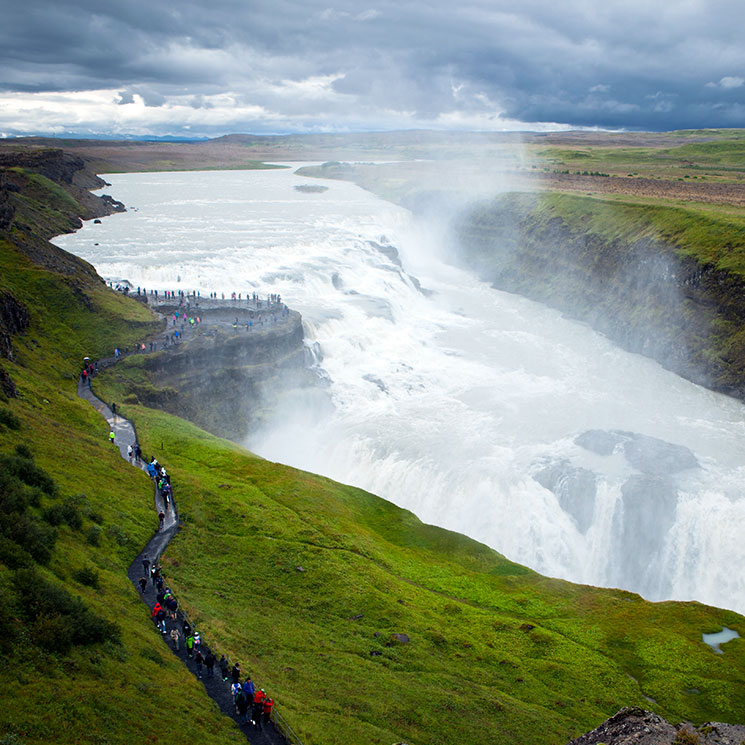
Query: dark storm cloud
[320,63]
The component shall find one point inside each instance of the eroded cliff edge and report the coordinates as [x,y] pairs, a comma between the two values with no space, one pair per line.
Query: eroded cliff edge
[653,279]
[229,372]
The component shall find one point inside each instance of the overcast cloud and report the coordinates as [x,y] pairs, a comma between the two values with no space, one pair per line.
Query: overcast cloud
[270,66]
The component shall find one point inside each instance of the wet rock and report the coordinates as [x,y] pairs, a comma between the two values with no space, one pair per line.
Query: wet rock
[403,638]
[376,381]
[390,252]
[599,441]
[357,617]
[641,521]
[375,653]
[646,454]
[657,457]
[574,487]
[7,386]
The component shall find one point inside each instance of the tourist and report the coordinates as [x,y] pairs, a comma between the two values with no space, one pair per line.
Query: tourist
[175,636]
[209,663]
[268,703]
[223,668]
[236,672]
[241,705]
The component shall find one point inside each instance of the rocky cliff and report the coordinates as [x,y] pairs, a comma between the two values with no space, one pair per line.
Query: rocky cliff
[646,292]
[226,376]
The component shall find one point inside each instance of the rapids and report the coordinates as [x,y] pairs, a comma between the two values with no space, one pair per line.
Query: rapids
[449,399]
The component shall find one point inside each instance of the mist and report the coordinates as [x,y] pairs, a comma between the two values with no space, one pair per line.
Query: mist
[463,403]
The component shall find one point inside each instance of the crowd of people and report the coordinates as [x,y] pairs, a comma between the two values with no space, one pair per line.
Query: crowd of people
[252,705]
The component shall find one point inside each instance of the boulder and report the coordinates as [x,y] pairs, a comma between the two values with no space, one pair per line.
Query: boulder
[574,487]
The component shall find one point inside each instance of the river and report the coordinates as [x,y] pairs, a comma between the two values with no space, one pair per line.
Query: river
[448,399]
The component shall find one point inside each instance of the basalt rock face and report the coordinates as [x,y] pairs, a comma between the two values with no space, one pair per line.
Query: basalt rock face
[14,320]
[225,379]
[635,726]
[645,293]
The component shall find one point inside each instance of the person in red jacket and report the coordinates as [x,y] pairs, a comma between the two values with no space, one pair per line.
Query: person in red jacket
[268,703]
[257,712]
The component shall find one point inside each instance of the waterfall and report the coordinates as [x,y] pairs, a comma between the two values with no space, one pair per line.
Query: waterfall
[462,403]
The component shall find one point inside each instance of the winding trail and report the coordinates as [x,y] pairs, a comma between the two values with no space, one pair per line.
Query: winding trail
[218,690]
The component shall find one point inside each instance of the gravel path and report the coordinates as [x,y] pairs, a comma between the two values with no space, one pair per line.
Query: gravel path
[218,690]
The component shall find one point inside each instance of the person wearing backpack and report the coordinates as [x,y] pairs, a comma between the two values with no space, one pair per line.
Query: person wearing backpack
[189,645]
[175,638]
[258,709]
[268,703]
[236,691]
[209,663]
[242,703]
[199,661]
[223,668]
[249,689]
[236,672]
[161,620]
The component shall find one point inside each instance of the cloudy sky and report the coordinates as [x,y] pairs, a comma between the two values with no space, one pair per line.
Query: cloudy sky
[211,67]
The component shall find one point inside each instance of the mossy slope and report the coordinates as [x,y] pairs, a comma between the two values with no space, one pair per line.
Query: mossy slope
[128,692]
[301,579]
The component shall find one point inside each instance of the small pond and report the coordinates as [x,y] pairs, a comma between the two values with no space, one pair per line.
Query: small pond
[721,637]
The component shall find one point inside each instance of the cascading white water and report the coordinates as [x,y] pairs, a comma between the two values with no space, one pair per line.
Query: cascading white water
[449,401]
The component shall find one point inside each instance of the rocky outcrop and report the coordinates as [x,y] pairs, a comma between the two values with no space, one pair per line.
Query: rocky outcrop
[45,192]
[227,379]
[13,320]
[635,726]
[643,292]
[574,487]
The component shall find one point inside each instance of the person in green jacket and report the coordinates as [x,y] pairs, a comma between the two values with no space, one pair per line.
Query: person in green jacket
[189,645]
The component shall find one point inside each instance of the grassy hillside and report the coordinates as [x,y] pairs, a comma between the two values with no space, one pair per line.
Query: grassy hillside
[303,580]
[57,685]
[306,582]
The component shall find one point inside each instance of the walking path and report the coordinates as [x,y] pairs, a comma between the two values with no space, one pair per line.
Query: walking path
[215,687]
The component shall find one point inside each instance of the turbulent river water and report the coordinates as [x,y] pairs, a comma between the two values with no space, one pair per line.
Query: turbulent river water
[448,400]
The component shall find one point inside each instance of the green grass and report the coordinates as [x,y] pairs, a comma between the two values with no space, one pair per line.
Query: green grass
[117,693]
[472,660]
[710,236]
[722,159]
[300,578]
